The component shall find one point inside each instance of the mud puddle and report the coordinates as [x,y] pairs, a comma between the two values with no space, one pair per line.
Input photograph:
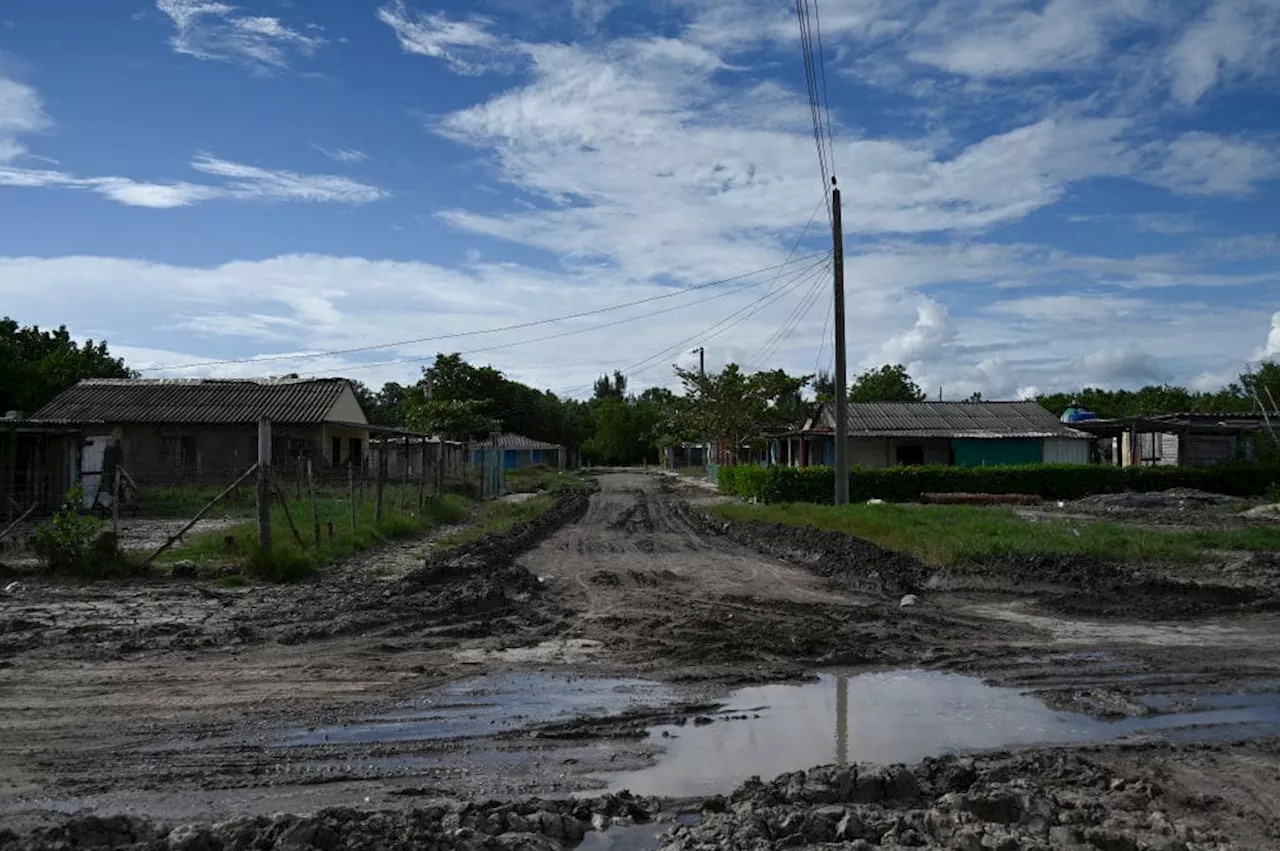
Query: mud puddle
[903,716]
[486,706]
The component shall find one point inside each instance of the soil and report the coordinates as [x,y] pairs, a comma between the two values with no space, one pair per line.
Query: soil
[156,714]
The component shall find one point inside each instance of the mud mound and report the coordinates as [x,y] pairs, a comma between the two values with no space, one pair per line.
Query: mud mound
[850,563]
[1174,499]
[530,824]
[1031,801]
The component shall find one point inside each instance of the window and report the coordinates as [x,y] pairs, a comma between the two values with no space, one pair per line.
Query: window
[910,456]
[335,451]
[355,449]
[178,452]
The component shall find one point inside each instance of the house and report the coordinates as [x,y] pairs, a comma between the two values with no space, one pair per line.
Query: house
[194,430]
[39,461]
[519,451]
[407,452]
[964,434]
[1183,440]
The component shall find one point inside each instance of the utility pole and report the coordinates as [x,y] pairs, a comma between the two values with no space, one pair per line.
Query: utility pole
[842,379]
[702,359]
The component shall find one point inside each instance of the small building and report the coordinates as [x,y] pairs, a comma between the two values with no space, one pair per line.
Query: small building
[963,434]
[39,463]
[165,431]
[519,451]
[1182,440]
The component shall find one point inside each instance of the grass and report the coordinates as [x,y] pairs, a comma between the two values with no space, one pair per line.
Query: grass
[288,560]
[498,516]
[692,472]
[162,502]
[944,535]
[534,479]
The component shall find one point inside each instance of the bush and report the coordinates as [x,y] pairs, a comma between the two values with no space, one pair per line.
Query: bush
[1049,481]
[72,542]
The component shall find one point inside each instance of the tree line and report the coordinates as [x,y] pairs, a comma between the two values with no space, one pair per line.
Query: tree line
[461,401]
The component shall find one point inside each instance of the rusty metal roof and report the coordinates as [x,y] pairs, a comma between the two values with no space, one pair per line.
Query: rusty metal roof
[204,401]
[949,419]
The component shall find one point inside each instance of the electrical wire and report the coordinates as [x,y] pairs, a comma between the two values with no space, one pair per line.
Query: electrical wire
[790,324]
[822,342]
[457,334]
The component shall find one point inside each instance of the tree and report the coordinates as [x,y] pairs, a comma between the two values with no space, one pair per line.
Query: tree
[824,387]
[387,407]
[889,383]
[730,406]
[604,389]
[451,419]
[37,365]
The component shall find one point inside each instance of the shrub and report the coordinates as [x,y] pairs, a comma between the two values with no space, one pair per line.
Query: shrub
[1049,481]
[72,542]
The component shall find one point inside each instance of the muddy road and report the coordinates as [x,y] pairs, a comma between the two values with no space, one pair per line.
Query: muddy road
[625,633]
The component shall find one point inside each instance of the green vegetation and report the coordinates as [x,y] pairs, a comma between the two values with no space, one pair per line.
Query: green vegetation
[533,479]
[498,516]
[74,543]
[944,535]
[289,560]
[180,501]
[1050,481]
[37,365]
[698,472]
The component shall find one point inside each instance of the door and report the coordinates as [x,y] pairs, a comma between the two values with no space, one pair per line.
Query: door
[93,457]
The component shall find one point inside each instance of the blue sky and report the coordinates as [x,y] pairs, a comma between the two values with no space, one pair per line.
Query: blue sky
[1037,195]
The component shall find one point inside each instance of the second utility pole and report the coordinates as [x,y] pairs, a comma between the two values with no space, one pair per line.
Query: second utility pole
[842,381]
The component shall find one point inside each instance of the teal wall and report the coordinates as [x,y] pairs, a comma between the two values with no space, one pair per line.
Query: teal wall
[996,453]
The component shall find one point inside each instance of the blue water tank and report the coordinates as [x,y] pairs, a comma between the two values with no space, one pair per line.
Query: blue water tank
[1077,415]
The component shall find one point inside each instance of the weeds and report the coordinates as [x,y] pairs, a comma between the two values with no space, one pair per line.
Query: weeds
[75,543]
[498,516]
[943,535]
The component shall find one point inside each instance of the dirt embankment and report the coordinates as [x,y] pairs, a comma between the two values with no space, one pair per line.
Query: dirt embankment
[1072,584]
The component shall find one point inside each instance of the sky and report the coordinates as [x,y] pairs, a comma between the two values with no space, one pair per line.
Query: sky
[1037,196]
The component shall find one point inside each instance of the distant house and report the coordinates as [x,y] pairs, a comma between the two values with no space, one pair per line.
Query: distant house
[1183,440]
[519,451]
[187,430]
[963,434]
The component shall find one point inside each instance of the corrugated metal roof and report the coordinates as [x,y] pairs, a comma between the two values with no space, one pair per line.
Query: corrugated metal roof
[950,419]
[516,441]
[205,401]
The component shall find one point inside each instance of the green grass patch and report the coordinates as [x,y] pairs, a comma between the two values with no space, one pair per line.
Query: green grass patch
[943,535]
[534,479]
[498,516]
[692,472]
[288,560]
[186,501]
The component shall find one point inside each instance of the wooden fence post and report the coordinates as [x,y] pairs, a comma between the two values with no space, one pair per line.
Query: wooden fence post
[115,505]
[422,478]
[264,484]
[351,493]
[440,469]
[382,481]
[404,480]
[315,509]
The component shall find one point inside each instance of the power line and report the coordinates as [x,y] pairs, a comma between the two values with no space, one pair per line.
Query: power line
[457,334]
[826,100]
[822,342]
[713,331]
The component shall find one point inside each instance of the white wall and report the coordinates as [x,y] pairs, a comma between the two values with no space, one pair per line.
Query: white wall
[1065,450]
[347,408]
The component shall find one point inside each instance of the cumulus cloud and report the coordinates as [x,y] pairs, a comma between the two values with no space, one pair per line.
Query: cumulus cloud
[1119,366]
[1233,38]
[213,30]
[1272,347]
[1199,163]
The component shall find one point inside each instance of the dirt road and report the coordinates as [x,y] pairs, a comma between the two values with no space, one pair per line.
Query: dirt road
[182,700]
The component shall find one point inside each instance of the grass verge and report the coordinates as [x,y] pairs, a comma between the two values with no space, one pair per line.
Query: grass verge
[498,516]
[944,535]
[692,472]
[288,560]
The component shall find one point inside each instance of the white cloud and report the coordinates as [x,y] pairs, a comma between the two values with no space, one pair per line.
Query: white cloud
[242,182]
[1119,366]
[1233,38]
[20,113]
[996,38]
[1069,308]
[1272,347]
[593,12]
[1199,163]
[464,45]
[342,155]
[213,30]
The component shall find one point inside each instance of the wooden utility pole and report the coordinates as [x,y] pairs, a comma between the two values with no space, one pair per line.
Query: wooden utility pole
[264,484]
[702,359]
[842,380]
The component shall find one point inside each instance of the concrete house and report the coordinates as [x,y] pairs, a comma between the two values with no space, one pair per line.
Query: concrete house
[963,434]
[190,430]
[519,451]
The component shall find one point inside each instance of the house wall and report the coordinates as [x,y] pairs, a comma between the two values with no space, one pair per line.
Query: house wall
[345,435]
[937,451]
[346,409]
[1065,450]
[872,452]
[217,454]
[1205,450]
[998,452]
